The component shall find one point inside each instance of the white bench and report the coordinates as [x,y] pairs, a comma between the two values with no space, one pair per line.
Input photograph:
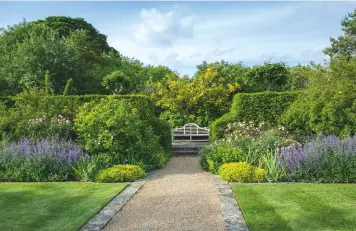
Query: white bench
[190,136]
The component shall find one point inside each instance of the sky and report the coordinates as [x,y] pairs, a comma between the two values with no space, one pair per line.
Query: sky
[183,34]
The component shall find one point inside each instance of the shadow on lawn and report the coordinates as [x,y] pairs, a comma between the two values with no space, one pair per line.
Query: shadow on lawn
[317,215]
[35,210]
[294,210]
[268,215]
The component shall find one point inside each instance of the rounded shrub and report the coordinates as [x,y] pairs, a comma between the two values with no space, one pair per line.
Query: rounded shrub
[241,172]
[158,160]
[212,157]
[118,128]
[120,173]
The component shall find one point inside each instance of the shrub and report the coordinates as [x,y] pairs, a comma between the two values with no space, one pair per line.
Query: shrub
[43,160]
[3,120]
[260,107]
[117,128]
[120,173]
[24,108]
[40,128]
[238,130]
[87,167]
[241,172]
[323,159]
[212,157]
[256,147]
[162,129]
[158,160]
[328,106]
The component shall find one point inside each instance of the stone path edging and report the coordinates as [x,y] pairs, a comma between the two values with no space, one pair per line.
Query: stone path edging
[99,221]
[232,215]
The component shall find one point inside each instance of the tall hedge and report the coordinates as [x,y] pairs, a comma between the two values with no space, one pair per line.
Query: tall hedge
[68,105]
[259,107]
[24,107]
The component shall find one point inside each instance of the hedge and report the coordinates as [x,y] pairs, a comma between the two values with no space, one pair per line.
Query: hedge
[68,106]
[259,107]
[24,107]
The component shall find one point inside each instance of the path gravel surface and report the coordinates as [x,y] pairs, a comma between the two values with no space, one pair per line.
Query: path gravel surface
[179,197]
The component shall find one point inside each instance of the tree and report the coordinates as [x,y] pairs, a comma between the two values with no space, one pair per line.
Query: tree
[328,106]
[28,51]
[87,79]
[65,25]
[201,99]
[227,72]
[128,78]
[344,45]
[60,46]
[299,77]
[157,73]
[266,77]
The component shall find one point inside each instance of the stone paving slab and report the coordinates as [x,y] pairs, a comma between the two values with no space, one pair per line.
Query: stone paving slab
[232,215]
[98,222]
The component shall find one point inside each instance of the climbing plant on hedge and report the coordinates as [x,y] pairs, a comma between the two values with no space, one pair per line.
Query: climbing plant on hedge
[264,107]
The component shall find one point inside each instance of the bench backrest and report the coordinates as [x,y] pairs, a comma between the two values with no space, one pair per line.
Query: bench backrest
[191,131]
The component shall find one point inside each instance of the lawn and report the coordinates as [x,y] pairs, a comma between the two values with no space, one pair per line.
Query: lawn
[52,206]
[298,206]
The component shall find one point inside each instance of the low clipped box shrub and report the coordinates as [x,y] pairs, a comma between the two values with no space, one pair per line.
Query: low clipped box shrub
[120,173]
[259,107]
[241,172]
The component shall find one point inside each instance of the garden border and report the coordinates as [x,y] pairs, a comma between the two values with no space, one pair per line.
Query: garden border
[99,221]
[231,212]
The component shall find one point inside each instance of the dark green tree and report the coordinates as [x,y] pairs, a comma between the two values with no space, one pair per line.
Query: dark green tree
[345,44]
[65,25]
[266,77]
[28,51]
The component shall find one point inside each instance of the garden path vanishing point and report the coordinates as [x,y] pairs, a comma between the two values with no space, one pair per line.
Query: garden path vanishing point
[179,197]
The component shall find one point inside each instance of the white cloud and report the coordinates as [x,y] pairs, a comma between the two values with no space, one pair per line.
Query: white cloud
[183,40]
[163,28]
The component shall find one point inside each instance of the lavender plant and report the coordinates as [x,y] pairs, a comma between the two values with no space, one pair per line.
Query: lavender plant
[323,159]
[42,160]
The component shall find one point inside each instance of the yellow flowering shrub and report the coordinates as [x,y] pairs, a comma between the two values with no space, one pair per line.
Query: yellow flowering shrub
[120,173]
[241,172]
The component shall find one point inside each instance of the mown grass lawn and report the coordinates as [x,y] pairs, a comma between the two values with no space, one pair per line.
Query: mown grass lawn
[52,206]
[298,206]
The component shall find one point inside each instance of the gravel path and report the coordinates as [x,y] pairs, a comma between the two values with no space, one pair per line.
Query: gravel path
[180,196]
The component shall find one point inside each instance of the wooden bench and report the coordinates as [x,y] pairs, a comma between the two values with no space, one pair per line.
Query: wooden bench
[189,138]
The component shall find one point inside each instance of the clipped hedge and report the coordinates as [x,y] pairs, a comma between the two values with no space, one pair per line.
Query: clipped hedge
[259,107]
[22,108]
[68,106]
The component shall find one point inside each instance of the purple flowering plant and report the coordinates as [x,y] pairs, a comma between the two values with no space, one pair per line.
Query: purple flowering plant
[38,160]
[324,159]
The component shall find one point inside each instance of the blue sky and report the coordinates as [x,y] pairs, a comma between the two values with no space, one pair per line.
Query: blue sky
[183,34]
